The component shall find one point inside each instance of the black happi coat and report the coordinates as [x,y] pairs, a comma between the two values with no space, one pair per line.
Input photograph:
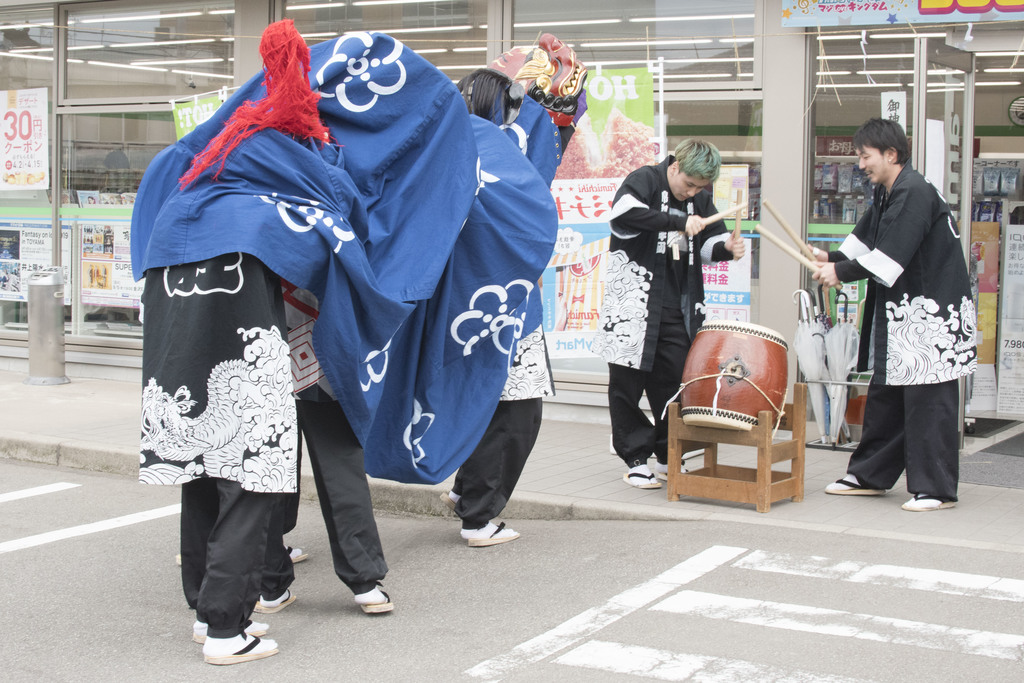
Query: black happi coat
[919,317]
[643,213]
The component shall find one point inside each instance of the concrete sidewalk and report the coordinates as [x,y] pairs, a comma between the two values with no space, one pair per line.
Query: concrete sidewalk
[94,424]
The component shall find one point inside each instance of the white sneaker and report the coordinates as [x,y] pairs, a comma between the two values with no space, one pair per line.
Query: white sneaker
[254,628]
[492,534]
[243,648]
[922,503]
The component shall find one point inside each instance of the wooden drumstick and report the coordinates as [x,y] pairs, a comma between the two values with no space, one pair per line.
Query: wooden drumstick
[789,230]
[737,235]
[722,214]
[777,241]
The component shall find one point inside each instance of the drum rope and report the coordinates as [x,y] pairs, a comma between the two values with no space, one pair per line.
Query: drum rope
[777,409]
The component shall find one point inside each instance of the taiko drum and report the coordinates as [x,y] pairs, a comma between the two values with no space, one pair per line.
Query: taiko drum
[733,371]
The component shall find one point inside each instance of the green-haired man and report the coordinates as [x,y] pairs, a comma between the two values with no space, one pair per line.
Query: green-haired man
[654,296]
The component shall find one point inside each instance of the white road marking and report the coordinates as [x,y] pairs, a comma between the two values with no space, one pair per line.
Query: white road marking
[672,666]
[593,620]
[849,624]
[36,491]
[94,527]
[931,580]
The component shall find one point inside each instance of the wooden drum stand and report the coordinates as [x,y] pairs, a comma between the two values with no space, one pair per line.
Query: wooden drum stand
[762,485]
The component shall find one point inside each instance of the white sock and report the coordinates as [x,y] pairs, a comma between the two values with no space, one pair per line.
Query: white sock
[274,603]
[852,479]
[658,467]
[370,597]
[454,496]
[642,469]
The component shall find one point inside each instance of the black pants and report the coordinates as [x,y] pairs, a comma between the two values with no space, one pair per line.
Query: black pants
[223,546]
[340,476]
[490,474]
[912,428]
[278,570]
[634,438]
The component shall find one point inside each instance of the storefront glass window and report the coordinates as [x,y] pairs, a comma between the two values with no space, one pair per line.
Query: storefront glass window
[451,34]
[701,43]
[151,50]
[104,157]
[26,48]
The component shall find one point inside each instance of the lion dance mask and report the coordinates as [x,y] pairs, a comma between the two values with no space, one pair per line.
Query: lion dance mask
[551,74]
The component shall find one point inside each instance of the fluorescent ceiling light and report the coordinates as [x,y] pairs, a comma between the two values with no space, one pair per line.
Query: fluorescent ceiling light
[16,27]
[990,83]
[202,73]
[834,73]
[736,40]
[431,50]
[460,66]
[31,49]
[24,56]
[151,62]
[701,76]
[468,49]
[98,46]
[151,43]
[366,3]
[999,54]
[696,17]
[221,11]
[322,34]
[898,55]
[426,29]
[318,5]
[860,85]
[139,17]
[708,60]
[648,43]
[126,66]
[885,36]
[1014,70]
[580,22]
[839,36]
[885,72]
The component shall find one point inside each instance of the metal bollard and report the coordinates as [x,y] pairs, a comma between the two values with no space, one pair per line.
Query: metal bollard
[46,327]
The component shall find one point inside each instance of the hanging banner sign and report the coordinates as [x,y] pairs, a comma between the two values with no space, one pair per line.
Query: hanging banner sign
[24,140]
[190,113]
[613,138]
[815,13]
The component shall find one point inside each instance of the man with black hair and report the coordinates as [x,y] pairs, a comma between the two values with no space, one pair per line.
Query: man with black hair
[485,482]
[919,326]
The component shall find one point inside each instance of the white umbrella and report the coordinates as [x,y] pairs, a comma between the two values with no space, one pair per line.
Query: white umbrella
[841,346]
[809,344]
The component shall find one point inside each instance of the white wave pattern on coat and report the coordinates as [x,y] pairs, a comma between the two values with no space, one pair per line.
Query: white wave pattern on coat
[623,312]
[926,348]
[249,409]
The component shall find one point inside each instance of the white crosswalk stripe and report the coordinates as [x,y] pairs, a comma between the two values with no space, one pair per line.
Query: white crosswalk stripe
[932,580]
[36,491]
[833,622]
[663,665]
[593,620]
[574,642]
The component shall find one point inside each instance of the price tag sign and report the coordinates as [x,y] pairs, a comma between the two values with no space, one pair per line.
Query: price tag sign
[24,140]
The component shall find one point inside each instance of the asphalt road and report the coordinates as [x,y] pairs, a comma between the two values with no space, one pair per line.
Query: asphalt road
[94,595]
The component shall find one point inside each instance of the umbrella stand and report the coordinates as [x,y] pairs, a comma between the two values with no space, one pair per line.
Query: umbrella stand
[841,347]
[809,345]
